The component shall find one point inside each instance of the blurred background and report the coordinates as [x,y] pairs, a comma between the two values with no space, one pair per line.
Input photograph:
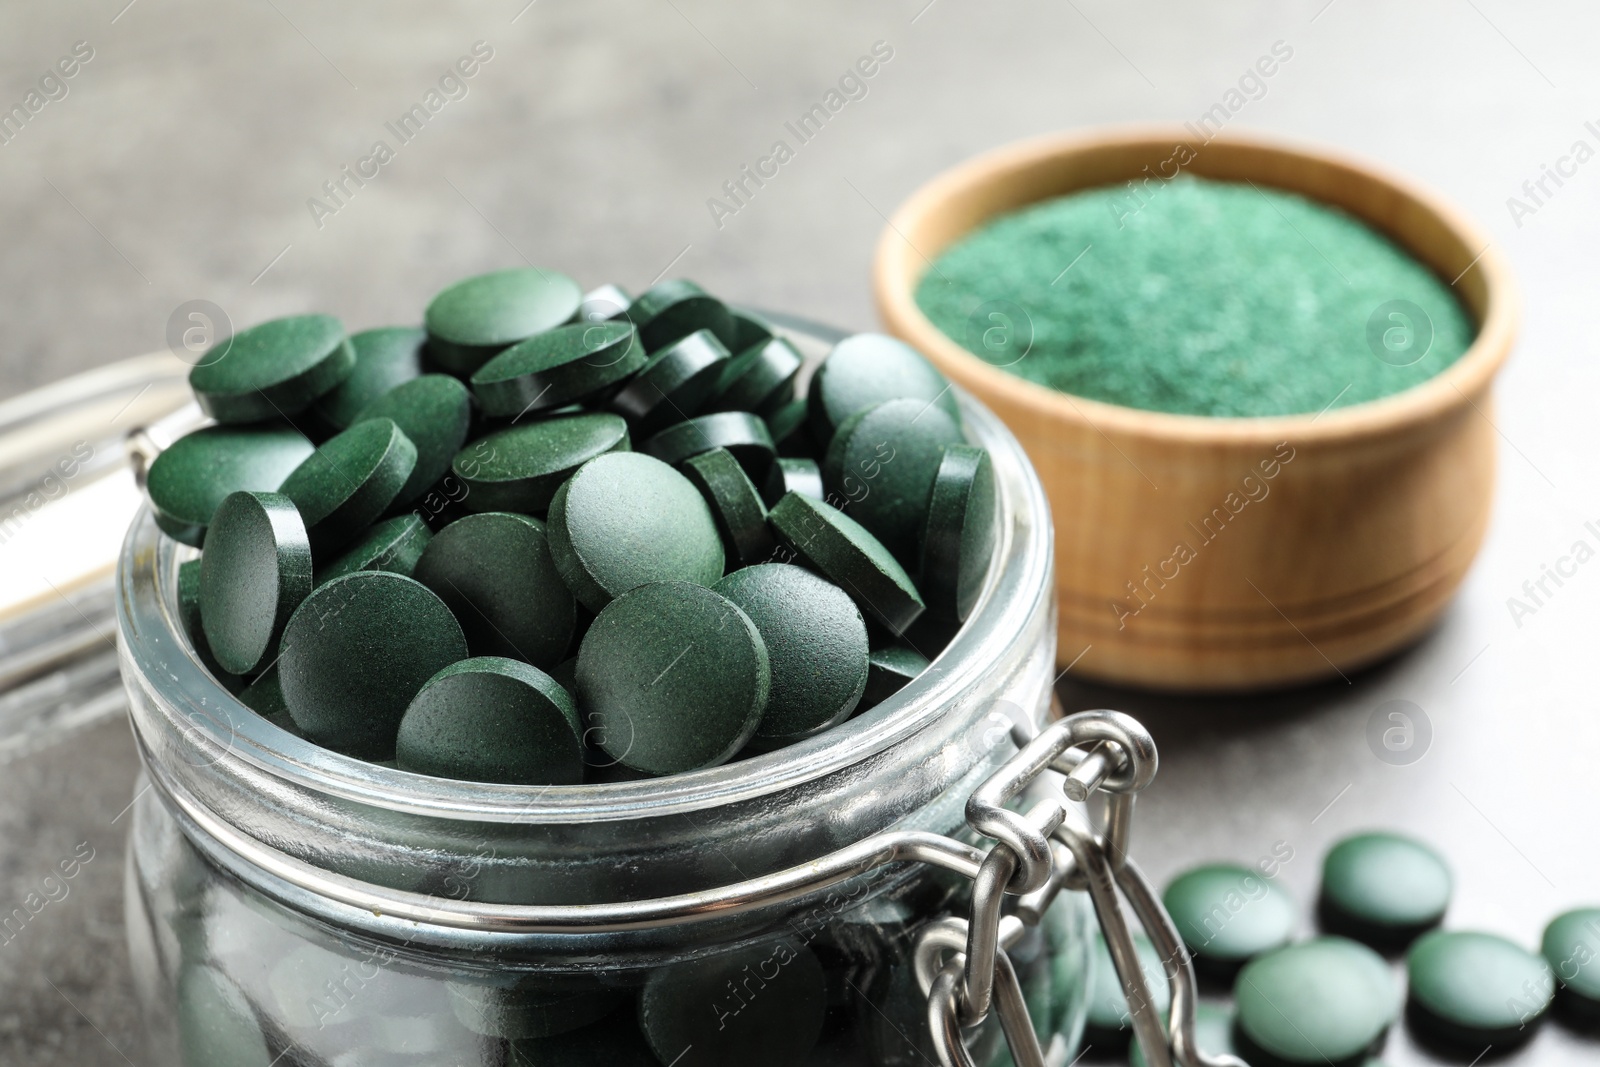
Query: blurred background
[186,159]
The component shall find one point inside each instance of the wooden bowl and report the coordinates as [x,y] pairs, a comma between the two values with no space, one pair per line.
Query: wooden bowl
[1233,553]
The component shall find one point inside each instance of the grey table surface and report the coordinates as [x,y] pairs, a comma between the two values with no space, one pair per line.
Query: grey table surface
[179,164]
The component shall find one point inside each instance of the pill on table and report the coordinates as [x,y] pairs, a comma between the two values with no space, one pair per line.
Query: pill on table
[1109,1020]
[520,467]
[350,480]
[867,369]
[1383,889]
[187,481]
[1227,914]
[1571,946]
[434,412]
[495,573]
[958,537]
[674,383]
[255,572]
[692,1013]
[357,651]
[472,320]
[672,677]
[737,508]
[671,310]
[625,519]
[888,670]
[558,367]
[792,475]
[759,378]
[883,462]
[492,719]
[604,303]
[1213,1034]
[1329,1000]
[391,545]
[1476,989]
[272,370]
[385,357]
[816,645]
[840,549]
[741,433]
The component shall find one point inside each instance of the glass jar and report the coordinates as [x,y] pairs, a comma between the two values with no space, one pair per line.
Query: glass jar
[290,905]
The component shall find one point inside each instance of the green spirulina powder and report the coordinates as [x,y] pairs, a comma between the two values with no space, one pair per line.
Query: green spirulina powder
[1209,298]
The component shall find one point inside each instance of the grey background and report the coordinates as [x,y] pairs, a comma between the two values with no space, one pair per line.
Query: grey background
[179,165]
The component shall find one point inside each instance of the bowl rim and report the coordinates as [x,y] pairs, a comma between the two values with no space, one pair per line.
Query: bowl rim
[898,266]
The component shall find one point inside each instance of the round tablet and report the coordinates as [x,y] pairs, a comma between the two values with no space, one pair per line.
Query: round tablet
[357,651]
[710,1012]
[521,467]
[788,427]
[958,537]
[391,545]
[674,383]
[188,480]
[475,318]
[492,720]
[1324,1001]
[558,367]
[1226,914]
[1476,989]
[1213,1034]
[816,644]
[759,378]
[868,369]
[434,412]
[888,670]
[264,696]
[348,482]
[883,461]
[1109,1022]
[677,307]
[790,475]
[740,515]
[604,303]
[255,571]
[741,433]
[1571,947]
[1383,888]
[527,1014]
[672,677]
[495,572]
[749,329]
[842,551]
[385,358]
[216,1023]
[272,370]
[626,519]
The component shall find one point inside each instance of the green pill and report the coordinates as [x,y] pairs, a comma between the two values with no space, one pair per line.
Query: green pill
[356,652]
[841,550]
[492,720]
[272,370]
[552,369]
[888,670]
[816,645]
[1571,947]
[1109,1022]
[739,432]
[958,537]
[711,1012]
[868,369]
[216,1024]
[255,571]
[626,519]
[521,467]
[790,475]
[474,319]
[350,480]
[604,303]
[1383,888]
[787,425]
[759,379]
[434,413]
[674,384]
[672,677]
[392,545]
[264,696]
[1227,914]
[672,310]
[189,619]
[385,358]
[883,461]
[495,573]
[1329,1000]
[1213,1034]
[521,1014]
[1474,989]
[740,515]
[614,1041]
[749,329]
[187,481]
